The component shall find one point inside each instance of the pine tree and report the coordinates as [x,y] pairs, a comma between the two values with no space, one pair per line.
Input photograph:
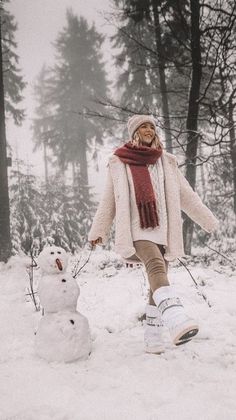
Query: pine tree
[13,81]
[27,211]
[47,213]
[43,123]
[78,78]
[5,240]
[67,215]
[11,85]
[135,84]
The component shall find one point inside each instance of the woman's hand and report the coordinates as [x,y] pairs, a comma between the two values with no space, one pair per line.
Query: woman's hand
[95,242]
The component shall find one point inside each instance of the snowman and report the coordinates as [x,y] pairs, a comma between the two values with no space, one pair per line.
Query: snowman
[63,334]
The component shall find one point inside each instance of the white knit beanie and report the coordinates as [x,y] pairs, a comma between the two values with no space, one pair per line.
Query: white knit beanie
[135,121]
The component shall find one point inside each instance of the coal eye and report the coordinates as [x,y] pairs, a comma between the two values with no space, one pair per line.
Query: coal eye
[72,322]
[51,252]
[59,252]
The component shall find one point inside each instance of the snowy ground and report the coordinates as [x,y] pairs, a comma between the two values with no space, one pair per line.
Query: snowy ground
[196,381]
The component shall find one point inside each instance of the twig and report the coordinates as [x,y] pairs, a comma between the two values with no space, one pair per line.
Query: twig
[196,285]
[222,255]
[31,291]
[76,265]
[77,271]
[144,278]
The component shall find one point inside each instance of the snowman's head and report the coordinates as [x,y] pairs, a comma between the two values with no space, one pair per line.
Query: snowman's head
[53,260]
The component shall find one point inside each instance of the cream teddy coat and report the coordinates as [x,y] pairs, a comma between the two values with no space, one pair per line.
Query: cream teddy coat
[179,196]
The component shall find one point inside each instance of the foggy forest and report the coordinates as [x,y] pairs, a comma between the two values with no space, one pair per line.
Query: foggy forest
[174,60]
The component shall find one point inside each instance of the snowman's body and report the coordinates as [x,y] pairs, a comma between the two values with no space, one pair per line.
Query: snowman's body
[63,337]
[63,333]
[58,292]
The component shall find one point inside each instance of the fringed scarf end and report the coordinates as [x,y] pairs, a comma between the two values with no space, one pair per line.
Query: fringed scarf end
[148,215]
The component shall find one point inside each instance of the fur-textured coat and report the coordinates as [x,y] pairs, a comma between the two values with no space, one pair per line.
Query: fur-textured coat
[179,196]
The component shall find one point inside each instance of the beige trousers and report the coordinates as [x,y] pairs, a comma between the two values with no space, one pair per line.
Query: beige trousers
[156,266]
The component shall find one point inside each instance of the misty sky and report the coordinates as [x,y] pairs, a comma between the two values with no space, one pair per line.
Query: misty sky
[38,25]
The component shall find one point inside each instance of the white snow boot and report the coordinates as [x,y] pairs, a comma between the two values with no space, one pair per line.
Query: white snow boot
[181,327]
[154,337]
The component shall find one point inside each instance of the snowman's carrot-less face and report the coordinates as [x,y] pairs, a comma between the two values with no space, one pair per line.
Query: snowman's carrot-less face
[53,260]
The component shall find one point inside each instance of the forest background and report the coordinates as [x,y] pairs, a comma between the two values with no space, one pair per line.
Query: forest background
[175,60]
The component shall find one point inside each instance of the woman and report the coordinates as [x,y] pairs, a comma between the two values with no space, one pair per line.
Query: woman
[146,192]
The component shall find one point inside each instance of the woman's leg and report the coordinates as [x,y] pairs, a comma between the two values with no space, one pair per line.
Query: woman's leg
[151,256]
[162,249]
[181,327]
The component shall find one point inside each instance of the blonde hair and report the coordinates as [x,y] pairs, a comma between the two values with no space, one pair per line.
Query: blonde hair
[137,141]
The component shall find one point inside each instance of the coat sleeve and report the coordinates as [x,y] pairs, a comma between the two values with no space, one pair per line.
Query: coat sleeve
[105,213]
[193,206]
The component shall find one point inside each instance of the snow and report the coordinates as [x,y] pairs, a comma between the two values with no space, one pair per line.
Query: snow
[118,380]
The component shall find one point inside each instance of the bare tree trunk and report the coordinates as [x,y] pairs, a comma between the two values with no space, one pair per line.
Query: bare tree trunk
[73,174]
[84,169]
[45,158]
[203,180]
[161,67]
[5,239]
[193,110]
[232,137]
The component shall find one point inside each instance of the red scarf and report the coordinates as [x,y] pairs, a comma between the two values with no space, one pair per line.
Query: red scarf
[138,158]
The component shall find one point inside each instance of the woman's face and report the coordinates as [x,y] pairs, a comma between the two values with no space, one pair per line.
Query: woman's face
[147,133]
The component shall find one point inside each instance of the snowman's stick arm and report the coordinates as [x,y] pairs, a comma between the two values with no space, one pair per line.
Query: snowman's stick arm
[78,271]
[31,278]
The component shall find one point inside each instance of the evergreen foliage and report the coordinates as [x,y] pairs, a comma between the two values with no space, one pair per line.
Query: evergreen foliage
[47,214]
[73,83]
[26,212]
[139,58]
[43,123]
[13,80]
